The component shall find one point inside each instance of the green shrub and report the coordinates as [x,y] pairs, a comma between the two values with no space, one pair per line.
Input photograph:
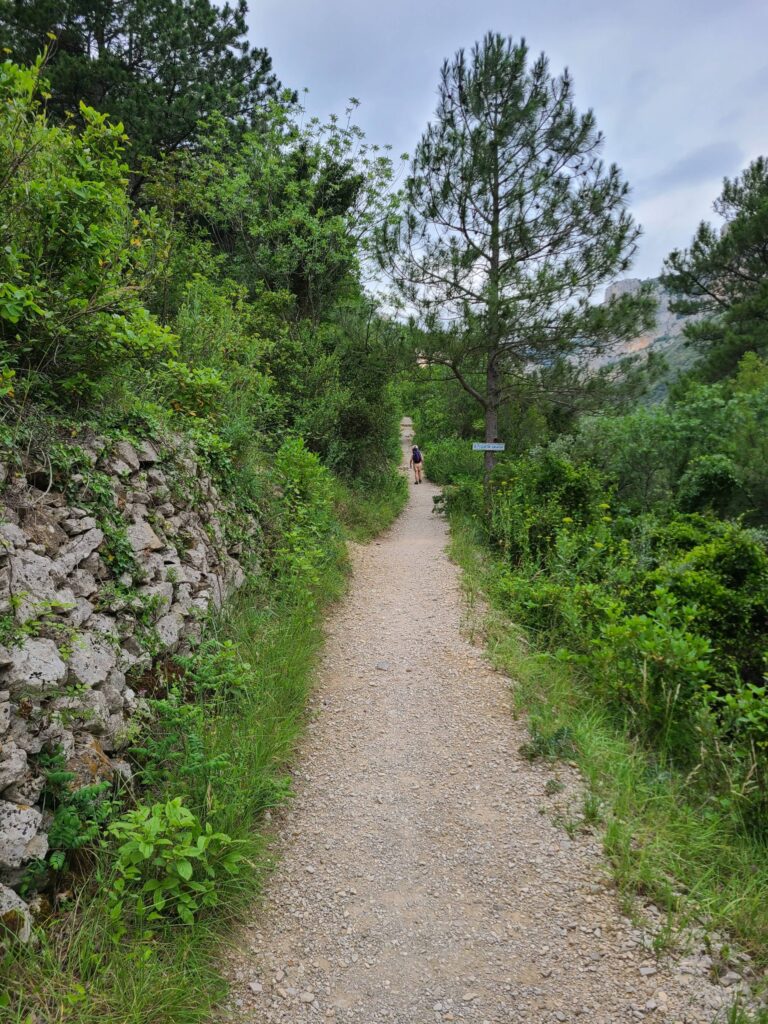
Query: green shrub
[73,254]
[710,483]
[464,497]
[451,460]
[309,534]
[166,864]
[724,579]
[657,667]
[534,497]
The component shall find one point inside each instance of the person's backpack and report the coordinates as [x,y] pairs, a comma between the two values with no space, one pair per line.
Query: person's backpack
[416,456]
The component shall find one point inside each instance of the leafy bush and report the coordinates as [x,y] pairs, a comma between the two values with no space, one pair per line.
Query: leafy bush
[451,460]
[710,483]
[77,818]
[666,614]
[167,864]
[535,497]
[724,580]
[657,667]
[310,536]
[73,254]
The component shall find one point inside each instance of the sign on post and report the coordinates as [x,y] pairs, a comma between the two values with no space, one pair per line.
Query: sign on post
[488,446]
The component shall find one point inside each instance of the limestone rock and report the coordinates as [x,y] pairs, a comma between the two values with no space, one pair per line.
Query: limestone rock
[27,790]
[169,629]
[118,468]
[12,536]
[123,771]
[183,602]
[156,478]
[5,711]
[114,689]
[20,837]
[78,550]
[186,574]
[32,582]
[127,453]
[76,526]
[91,661]
[143,538]
[26,734]
[34,667]
[103,624]
[161,594]
[41,526]
[94,564]
[217,590]
[147,453]
[116,735]
[82,583]
[153,565]
[14,914]
[133,657]
[90,764]
[81,611]
[235,576]
[135,510]
[87,711]
[13,763]
[196,557]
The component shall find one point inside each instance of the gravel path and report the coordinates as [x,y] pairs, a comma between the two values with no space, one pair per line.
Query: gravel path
[422,878]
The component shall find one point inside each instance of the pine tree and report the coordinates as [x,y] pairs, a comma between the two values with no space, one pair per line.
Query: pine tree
[510,223]
[159,66]
[723,277]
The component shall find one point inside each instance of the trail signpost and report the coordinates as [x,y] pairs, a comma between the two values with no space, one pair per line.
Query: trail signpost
[488,446]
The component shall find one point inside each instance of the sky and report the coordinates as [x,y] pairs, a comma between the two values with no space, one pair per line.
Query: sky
[679,87]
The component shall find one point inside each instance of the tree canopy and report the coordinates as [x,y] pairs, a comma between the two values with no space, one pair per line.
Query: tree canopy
[158,66]
[723,276]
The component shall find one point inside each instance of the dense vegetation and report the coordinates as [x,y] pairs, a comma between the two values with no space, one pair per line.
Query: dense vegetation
[631,547]
[196,270]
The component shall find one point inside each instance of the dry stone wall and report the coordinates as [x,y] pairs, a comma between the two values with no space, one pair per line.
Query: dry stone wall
[105,566]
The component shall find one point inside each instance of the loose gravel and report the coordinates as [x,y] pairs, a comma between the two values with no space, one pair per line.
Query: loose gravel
[422,877]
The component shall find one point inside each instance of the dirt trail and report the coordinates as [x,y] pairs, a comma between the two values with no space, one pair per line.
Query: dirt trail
[422,877]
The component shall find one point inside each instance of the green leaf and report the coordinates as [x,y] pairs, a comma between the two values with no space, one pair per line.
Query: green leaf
[184,869]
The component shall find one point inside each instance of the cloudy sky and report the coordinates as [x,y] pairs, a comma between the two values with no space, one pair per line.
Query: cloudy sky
[679,87]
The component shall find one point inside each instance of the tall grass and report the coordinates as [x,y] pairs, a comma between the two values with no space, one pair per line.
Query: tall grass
[367,506]
[76,973]
[697,863]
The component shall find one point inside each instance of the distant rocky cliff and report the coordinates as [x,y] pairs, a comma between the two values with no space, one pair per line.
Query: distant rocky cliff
[666,338]
[111,554]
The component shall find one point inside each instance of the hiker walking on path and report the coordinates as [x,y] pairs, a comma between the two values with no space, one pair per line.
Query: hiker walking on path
[416,463]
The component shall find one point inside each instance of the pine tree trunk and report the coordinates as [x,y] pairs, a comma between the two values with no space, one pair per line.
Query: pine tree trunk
[491,370]
[491,436]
